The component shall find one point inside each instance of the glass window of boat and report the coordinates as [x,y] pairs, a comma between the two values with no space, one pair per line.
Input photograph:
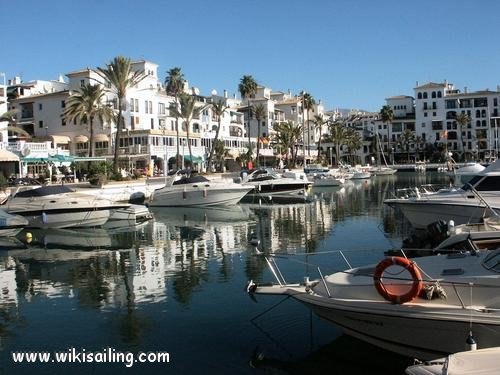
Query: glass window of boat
[482,183]
[492,261]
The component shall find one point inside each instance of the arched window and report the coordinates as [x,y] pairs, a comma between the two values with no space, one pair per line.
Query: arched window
[439,94]
[196,127]
[483,113]
[425,95]
[419,95]
[433,95]
[478,113]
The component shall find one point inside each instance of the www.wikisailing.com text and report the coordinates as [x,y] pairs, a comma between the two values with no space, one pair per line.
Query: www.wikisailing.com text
[107,355]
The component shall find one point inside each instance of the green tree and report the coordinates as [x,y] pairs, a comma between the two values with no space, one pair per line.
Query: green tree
[337,136]
[174,83]
[260,113]
[118,78]
[286,138]
[187,111]
[318,122]
[462,119]
[220,152]
[387,116]
[308,103]
[218,110]
[248,88]
[87,104]
[353,142]
[406,139]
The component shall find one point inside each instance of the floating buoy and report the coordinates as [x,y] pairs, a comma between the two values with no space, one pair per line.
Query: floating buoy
[29,237]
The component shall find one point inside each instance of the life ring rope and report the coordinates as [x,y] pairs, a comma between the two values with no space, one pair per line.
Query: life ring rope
[407,264]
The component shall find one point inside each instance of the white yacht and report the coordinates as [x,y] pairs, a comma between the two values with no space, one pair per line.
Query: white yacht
[194,190]
[425,308]
[468,204]
[58,206]
[266,182]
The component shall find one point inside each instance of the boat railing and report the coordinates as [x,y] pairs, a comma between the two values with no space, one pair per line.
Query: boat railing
[418,191]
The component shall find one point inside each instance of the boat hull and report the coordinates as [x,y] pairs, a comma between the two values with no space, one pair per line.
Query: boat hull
[199,196]
[422,213]
[67,219]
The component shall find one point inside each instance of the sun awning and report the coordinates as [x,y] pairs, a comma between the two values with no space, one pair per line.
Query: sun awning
[6,155]
[81,139]
[60,139]
[196,159]
[101,138]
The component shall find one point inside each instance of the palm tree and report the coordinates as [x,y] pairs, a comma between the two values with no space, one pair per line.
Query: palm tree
[248,89]
[260,113]
[174,83]
[87,104]
[119,77]
[318,122]
[337,136]
[218,110]
[387,116]
[11,118]
[353,142]
[220,152]
[308,103]
[187,111]
[286,137]
[462,119]
[406,138]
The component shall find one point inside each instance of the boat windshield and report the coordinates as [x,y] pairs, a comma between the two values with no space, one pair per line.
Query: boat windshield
[483,183]
[44,190]
[190,180]
[492,261]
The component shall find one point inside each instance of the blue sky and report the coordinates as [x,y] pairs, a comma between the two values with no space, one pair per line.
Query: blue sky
[349,54]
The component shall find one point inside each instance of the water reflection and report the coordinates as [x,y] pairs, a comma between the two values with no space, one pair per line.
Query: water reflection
[184,270]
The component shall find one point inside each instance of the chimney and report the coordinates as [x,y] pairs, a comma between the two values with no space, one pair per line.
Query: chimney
[465,90]
[225,94]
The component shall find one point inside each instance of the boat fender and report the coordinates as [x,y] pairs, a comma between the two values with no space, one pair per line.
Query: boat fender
[433,291]
[407,264]
[251,287]
[470,343]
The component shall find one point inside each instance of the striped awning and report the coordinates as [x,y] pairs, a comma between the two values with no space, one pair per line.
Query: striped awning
[81,139]
[6,155]
[101,138]
[60,139]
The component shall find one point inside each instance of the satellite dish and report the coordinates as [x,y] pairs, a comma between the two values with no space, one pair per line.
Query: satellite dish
[25,151]
[214,92]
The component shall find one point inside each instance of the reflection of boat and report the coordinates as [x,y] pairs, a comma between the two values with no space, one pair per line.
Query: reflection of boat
[57,206]
[78,238]
[190,190]
[128,216]
[461,205]
[10,224]
[202,216]
[425,309]
[472,362]
[327,179]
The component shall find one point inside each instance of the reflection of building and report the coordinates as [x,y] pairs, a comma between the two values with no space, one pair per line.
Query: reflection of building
[8,287]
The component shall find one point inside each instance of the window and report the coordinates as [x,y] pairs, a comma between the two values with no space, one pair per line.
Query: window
[439,94]
[63,122]
[161,108]
[425,95]
[132,105]
[152,123]
[82,82]
[40,124]
[150,106]
[63,104]
[40,106]
[433,95]
[419,95]
[146,107]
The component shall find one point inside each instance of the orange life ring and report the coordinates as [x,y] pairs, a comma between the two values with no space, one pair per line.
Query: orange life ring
[410,266]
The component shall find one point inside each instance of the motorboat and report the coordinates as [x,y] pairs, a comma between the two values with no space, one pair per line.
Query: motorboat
[187,189]
[327,179]
[464,173]
[382,171]
[135,192]
[468,204]
[359,172]
[424,308]
[315,168]
[10,225]
[470,362]
[58,206]
[266,182]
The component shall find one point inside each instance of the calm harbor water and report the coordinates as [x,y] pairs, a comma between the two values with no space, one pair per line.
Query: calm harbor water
[176,284]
